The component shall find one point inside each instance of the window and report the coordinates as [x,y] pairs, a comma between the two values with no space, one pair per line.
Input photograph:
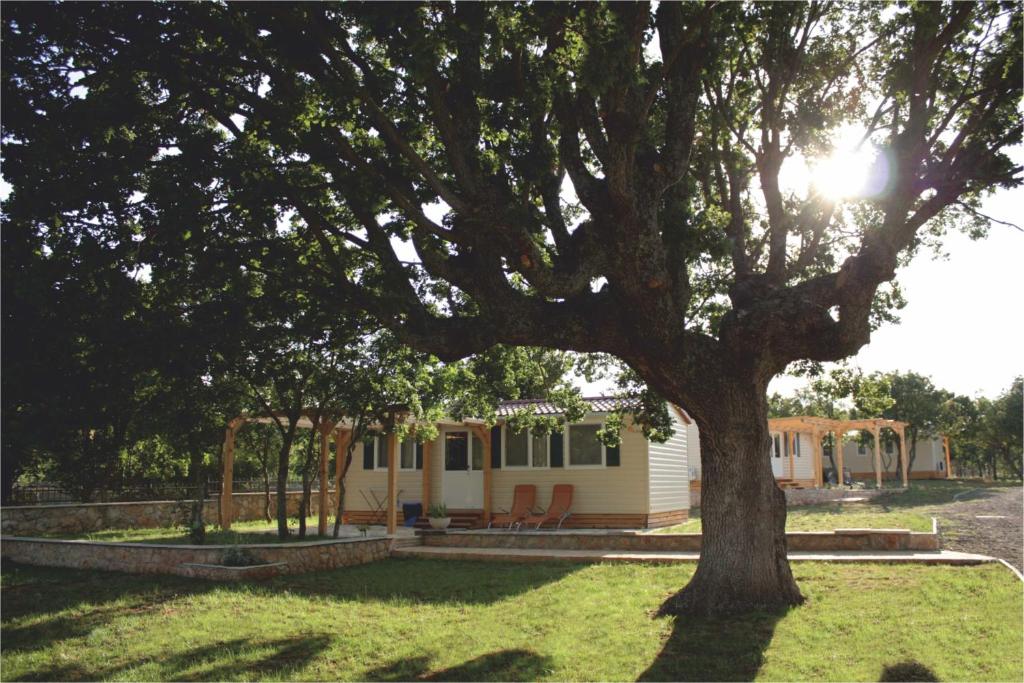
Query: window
[382,447]
[584,448]
[796,445]
[539,451]
[777,445]
[525,449]
[862,449]
[477,453]
[516,448]
[407,461]
[888,447]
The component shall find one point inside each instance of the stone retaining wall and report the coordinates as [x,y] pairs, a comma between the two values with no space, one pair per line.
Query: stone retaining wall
[76,518]
[840,539]
[146,558]
[837,495]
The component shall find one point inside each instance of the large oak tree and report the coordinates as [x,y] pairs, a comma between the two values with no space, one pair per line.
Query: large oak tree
[597,178]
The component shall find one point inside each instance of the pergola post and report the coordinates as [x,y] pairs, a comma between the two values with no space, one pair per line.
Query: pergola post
[325,488]
[878,456]
[818,465]
[945,447]
[393,455]
[838,447]
[485,439]
[425,475]
[226,484]
[903,456]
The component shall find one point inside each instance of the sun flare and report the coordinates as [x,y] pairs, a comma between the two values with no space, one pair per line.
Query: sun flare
[852,170]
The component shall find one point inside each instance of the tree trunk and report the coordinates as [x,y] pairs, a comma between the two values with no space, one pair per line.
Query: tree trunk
[743,563]
[265,467]
[283,460]
[339,513]
[197,526]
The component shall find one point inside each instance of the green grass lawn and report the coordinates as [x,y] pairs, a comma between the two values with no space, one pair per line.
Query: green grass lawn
[443,620]
[257,531]
[912,509]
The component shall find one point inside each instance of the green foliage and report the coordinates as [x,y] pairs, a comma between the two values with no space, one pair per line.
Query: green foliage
[437,511]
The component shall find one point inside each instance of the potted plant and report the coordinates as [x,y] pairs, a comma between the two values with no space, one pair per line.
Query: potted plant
[438,515]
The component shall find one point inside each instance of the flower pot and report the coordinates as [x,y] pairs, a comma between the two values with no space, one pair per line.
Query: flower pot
[440,522]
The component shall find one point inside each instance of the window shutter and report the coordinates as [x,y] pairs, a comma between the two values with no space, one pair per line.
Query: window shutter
[368,455]
[555,449]
[611,456]
[419,456]
[495,447]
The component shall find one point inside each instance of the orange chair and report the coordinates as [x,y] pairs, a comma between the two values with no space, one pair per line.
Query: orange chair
[558,509]
[523,498]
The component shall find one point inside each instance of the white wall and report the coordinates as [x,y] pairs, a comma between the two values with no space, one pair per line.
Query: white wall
[669,478]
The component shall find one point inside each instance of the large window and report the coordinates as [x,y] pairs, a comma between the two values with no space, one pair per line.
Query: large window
[584,448]
[539,450]
[517,448]
[408,458]
[525,449]
[383,446]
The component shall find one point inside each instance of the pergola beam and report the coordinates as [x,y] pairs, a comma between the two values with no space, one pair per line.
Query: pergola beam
[819,426]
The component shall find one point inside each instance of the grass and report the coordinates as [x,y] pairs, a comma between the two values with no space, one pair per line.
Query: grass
[444,620]
[257,531]
[912,509]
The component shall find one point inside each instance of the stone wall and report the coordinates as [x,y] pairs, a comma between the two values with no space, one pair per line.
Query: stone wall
[75,518]
[836,495]
[840,539]
[145,558]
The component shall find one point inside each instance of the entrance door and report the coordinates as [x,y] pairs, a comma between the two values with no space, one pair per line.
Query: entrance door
[776,455]
[463,480]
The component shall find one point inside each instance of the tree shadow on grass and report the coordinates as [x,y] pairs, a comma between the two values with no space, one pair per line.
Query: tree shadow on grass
[421,581]
[907,671]
[728,648]
[240,658]
[503,665]
[77,601]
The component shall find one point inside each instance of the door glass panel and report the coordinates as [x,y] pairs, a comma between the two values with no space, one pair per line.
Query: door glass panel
[478,454]
[456,446]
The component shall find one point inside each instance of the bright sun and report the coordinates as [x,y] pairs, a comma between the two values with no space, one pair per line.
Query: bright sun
[847,173]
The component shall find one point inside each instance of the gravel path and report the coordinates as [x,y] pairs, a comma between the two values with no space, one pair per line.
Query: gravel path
[989,521]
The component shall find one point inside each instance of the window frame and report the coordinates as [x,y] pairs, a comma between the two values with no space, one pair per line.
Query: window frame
[567,448]
[529,452]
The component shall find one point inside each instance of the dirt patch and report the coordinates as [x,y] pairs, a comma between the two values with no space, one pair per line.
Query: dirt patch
[989,521]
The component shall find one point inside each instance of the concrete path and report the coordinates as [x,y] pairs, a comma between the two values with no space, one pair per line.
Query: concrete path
[515,555]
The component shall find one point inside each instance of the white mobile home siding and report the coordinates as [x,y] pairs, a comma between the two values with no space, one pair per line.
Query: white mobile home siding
[669,473]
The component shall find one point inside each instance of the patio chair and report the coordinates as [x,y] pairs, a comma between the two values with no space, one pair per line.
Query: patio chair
[523,498]
[558,509]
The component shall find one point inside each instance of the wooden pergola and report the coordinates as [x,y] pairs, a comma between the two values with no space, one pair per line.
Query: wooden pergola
[817,427]
[342,430]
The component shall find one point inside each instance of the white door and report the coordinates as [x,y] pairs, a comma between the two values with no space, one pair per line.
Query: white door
[463,480]
[777,451]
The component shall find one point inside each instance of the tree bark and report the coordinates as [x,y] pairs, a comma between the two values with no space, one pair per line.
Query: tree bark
[283,461]
[743,563]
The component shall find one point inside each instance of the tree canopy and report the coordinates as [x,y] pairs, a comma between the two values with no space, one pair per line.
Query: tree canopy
[600,177]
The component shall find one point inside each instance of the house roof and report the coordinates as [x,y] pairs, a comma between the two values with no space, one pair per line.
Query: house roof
[598,404]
